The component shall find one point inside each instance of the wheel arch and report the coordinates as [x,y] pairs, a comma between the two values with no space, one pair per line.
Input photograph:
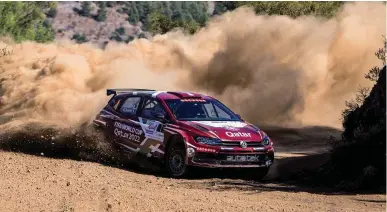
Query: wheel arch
[175,139]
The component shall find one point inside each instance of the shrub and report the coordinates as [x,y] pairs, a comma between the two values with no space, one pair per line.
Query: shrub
[359,157]
[79,38]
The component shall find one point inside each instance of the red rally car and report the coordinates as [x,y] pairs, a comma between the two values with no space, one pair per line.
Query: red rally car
[183,129]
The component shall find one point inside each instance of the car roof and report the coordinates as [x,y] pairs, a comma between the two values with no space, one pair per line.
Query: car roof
[164,95]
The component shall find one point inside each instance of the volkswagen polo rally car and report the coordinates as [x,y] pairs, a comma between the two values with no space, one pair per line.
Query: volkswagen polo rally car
[183,129]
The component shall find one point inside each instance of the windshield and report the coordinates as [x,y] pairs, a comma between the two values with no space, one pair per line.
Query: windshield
[200,110]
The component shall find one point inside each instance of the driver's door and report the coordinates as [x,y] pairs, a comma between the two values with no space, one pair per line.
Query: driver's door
[152,124]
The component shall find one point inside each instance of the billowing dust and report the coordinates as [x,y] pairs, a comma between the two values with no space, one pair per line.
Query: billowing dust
[269,69]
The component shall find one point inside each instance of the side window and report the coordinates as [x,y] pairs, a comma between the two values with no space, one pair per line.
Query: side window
[130,105]
[210,110]
[222,113]
[151,107]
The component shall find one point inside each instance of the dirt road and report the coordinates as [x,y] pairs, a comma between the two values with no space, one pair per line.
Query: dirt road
[33,183]
[39,183]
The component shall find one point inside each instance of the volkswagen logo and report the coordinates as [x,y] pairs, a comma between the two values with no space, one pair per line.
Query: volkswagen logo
[243,144]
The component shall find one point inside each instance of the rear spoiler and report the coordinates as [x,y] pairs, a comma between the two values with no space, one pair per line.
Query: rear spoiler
[124,90]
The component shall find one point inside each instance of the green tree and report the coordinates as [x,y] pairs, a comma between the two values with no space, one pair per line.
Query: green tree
[85,9]
[133,16]
[102,13]
[223,6]
[161,24]
[141,35]
[24,21]
[118,35]
[294,9]
[51,12]
[79,38]
[120,31]
[129,39]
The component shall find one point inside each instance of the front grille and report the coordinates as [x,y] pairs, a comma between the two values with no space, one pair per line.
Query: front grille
[237,144]
[222,159]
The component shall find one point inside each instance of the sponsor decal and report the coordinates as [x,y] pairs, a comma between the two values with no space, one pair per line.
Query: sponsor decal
[230,127]
[127,128]
[150,129]
[238,134]
[126,135]
[152,125]
[201,149]
[129,109]
[242,158]
[126,131]
[193,100]
[223,124]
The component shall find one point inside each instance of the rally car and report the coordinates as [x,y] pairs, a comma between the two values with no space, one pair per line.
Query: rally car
[183,129]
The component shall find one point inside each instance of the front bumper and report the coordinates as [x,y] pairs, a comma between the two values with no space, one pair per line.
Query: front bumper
[231,159]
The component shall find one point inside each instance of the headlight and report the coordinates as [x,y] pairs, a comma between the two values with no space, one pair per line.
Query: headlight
[266,141]
[208,140]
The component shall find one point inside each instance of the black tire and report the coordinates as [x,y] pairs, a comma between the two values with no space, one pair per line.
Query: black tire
[175,161]
[260,173]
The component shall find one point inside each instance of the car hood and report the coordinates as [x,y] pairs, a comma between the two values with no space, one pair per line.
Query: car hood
[229,130]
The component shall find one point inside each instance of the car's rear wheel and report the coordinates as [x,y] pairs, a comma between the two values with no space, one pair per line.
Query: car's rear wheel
[175,160]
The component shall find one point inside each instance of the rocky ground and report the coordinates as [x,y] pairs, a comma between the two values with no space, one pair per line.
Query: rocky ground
[38,183]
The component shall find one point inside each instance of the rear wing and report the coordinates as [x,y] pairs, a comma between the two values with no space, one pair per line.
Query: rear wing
[124,90]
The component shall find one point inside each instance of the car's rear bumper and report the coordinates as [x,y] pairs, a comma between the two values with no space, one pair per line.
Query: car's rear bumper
[232,160]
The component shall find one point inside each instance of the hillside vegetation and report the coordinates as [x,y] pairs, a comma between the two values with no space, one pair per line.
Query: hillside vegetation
[26,20]
[34,20]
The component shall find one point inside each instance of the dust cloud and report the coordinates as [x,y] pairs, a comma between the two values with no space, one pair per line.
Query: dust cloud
[269,69]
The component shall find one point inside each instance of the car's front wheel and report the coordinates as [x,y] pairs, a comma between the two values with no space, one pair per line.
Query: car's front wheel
[175,161]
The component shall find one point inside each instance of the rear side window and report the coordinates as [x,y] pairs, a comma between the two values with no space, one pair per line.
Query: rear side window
[114,102]
[130,106]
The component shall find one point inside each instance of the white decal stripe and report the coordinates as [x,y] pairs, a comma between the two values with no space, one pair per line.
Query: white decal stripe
[108,112]
[190,94]
[259,132]
[134,150]
[101,122]
[136,122]
[236,124]
[214,134]
[157,93]
[143,142]
[156,148]
[173,133]
[188,144]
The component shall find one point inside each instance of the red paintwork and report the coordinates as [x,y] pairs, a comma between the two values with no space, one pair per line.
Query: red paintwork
[190,129]
[235,134]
